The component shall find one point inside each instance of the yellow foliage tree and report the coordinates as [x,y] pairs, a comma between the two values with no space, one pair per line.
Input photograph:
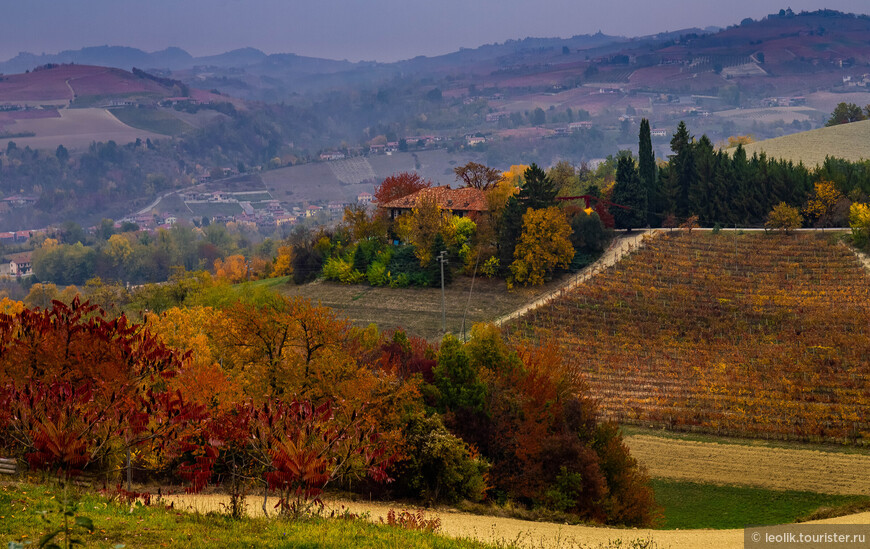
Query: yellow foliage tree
[284,262]
[859,221]
[118,249]
[41,295]
[202,379]
[10,307]
[735,140]
[784,217]
[514,176]
[49,243]
[234,269]
[419,227]
[544,245]
[821,205]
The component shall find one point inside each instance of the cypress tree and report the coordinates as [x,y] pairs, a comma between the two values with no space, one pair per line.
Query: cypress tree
[647,167]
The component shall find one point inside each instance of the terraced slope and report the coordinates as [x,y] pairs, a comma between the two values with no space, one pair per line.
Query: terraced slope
[761,335]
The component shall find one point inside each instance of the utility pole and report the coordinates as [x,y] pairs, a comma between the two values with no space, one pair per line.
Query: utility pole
[442,259]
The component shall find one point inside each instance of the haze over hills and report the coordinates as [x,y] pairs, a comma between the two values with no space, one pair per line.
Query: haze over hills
[532,100]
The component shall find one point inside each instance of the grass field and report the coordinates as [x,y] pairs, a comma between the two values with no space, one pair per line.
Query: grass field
[418,310]
[28,511]
[849,141]
[161,121]
[689,505]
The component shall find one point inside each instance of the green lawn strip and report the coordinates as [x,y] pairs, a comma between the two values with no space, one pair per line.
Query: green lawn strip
[633,430]
[690,505]
[155,526]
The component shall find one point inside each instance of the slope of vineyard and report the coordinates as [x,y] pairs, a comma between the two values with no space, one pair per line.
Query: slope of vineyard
[764,335]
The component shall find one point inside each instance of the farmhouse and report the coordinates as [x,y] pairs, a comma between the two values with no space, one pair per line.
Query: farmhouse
[19,264]
[464,202]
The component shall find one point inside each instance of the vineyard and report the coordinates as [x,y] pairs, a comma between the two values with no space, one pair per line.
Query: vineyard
[762,335]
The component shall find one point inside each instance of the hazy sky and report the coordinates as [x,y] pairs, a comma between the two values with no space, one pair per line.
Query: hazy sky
[383,30]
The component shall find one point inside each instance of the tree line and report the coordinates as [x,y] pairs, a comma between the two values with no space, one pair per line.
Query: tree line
[275,393]
[727,187]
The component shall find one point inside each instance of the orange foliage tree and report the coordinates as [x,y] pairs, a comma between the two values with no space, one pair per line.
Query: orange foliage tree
[233,269]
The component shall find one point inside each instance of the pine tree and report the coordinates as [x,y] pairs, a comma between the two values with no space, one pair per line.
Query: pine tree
[700,193]
[647,167]
[683,173]
[539,191]
[630,192]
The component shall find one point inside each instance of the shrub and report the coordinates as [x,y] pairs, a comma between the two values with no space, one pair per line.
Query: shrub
[490,267]
[439,466]
[377,274]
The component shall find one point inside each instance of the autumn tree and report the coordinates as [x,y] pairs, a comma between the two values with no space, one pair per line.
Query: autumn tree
[544,245]
[421,225]
[821,206]
[81,388]
[362,225]
[233,269]
[399,185]
[859,221]
[477,176]
[784,217]
[283,261]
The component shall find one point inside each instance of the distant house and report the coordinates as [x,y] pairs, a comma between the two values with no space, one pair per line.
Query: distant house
[20,264]
[284,219]
[475,140]
[463,202]
[20,201]
[364,198]
[574,126]
[7,238]
[312,211]
[658,133]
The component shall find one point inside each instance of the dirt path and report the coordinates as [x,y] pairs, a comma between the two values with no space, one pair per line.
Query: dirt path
[763,467]
[538,535]
[620,247]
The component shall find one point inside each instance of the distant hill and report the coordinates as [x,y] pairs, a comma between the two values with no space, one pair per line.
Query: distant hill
[849,141]
[85,85]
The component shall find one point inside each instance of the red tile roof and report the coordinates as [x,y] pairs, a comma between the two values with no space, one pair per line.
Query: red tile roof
[465,199]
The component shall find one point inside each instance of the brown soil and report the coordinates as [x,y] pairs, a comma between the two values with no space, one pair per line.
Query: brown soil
[773,468]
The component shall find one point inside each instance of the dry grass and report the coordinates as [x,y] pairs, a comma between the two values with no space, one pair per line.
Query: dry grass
[758,466]
[539,535]
[418,310]
[849,141]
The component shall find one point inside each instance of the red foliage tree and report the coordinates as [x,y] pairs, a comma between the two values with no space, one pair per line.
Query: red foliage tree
[78,387]
[399,185]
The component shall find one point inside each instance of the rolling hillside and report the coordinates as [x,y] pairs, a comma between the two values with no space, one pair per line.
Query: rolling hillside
[760,335]
[75,105]
[849,141]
